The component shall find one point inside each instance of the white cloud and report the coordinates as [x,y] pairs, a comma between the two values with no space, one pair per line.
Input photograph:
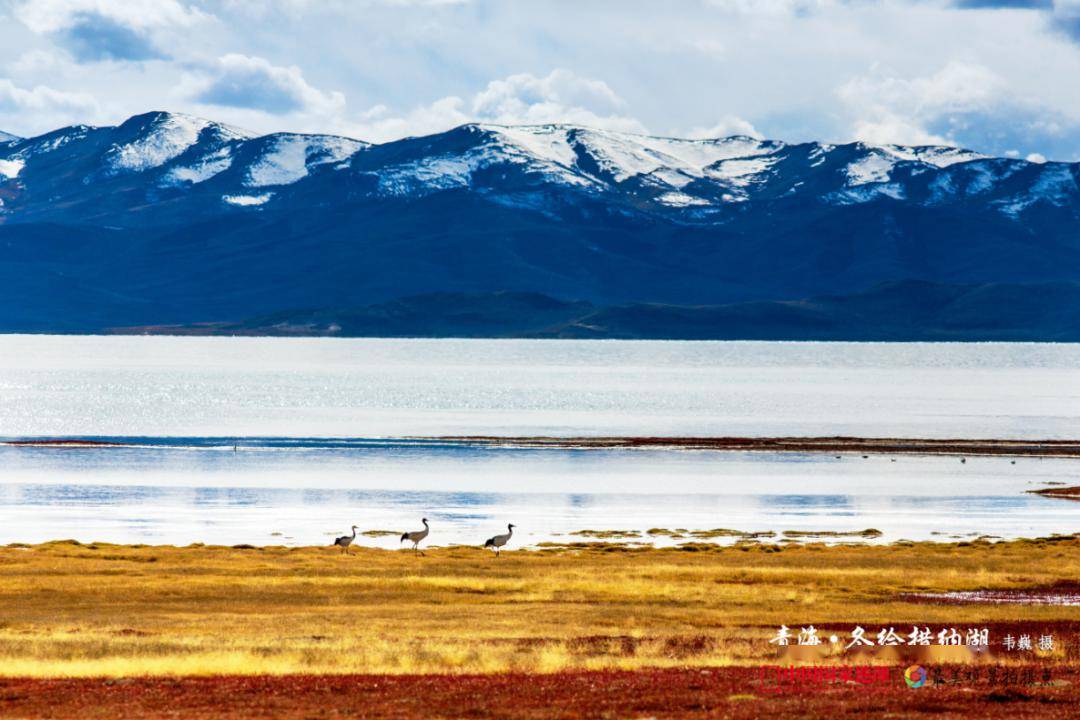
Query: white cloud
[33,62]
[521,99]
[727,126]
[24,110]
[559,96]
[770,7]
[42,98]
[100,30]
[898,110]
[243,81]
[46,16]
[709,67]
[1036,158]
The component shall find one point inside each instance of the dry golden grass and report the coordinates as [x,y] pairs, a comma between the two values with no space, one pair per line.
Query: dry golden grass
[69,609]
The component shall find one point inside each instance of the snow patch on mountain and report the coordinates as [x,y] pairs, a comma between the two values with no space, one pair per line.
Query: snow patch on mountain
[866,193]
[625,156]
[247,200]
[740,172]
[817,156]
[873,168]
[10,169]
[202,170]
[8,137]
[1056,185]
[441,173]
[678,199]
[169,136]
[557,150]
[549,143]
[546,150]
[290,158]
[877,165]
[53,141]
[936,155]
[167,139]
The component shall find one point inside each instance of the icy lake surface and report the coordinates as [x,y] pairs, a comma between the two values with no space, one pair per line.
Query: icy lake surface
[187,401]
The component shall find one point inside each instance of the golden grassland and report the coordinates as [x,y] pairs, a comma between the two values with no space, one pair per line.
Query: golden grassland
[100,609]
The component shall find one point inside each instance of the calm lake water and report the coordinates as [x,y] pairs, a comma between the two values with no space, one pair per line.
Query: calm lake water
[184,402]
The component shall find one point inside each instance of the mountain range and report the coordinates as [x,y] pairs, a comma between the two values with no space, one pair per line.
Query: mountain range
[171,223]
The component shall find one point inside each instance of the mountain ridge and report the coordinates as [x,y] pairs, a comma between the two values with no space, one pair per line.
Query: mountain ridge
[172,219]
[904,311]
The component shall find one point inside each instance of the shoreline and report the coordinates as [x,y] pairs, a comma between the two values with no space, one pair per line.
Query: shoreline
[837,444]
[794,444]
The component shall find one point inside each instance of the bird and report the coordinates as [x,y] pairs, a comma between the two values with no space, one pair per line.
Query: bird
[346,540]
[417,536]
[499,540]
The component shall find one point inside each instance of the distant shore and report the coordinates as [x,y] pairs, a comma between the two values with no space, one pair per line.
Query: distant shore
[835,444]
[910,446]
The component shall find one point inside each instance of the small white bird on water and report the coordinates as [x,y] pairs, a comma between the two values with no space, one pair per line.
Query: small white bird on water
[346,540]
[416,537]
[499,540]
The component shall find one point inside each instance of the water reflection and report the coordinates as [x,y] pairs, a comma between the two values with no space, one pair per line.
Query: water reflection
[301,497]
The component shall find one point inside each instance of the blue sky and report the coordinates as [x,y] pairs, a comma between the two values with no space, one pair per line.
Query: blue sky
[999,77]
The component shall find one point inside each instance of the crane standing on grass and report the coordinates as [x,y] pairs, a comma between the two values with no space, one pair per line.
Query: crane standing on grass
[346,540]
[499,540]
[416,537]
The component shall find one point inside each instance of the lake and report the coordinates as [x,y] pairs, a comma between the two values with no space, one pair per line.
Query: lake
[320,428]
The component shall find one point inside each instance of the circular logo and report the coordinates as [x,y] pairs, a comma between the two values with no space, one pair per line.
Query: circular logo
[915,676]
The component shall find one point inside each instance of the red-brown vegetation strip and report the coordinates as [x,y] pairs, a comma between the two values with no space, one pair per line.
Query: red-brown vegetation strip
[920,446]
[1069,493]
[1066,593]
[679,693]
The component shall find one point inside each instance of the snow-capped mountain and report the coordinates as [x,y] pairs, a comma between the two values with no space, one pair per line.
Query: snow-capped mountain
[164,156]
[169,217]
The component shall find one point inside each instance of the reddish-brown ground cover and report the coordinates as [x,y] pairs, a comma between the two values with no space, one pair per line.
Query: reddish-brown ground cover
[682,693]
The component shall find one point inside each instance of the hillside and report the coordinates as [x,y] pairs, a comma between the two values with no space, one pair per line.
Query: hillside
[168,219]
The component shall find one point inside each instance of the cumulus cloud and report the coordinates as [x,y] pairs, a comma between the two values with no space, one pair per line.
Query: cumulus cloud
[1004,4]
[1066,17]
[243,81]
[14,99]
[900,110]
[41,106]
[962,104]
[521,99]
[1063,15]
[559,96]
[772,7]
[727,126]
[95,30]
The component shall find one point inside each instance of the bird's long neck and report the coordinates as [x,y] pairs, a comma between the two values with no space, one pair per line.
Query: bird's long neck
[354,533]
[510,528]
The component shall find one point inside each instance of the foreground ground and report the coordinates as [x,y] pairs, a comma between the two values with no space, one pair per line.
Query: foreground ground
[103,630]
[109,610]
[671,693]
